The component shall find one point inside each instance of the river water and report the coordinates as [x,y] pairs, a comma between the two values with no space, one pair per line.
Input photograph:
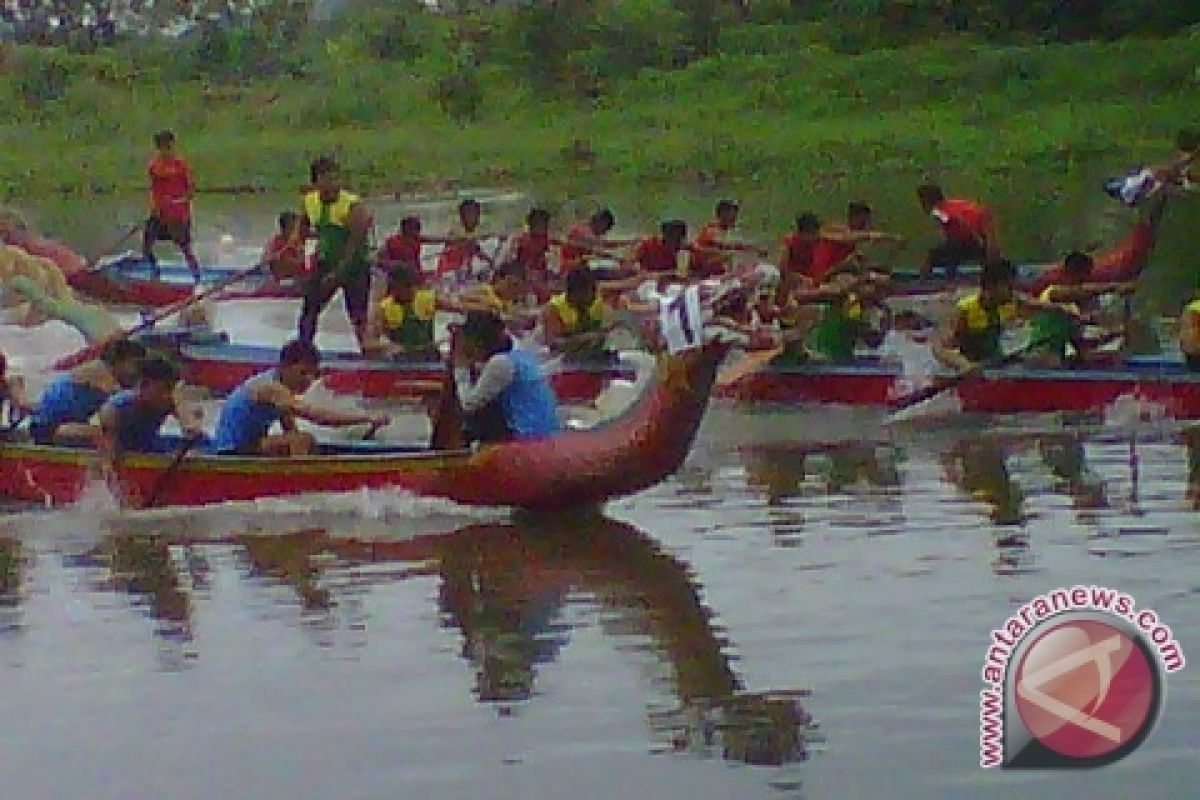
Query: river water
[802,612]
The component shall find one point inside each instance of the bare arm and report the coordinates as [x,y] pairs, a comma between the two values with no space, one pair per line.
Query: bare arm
[496,376]
[293,407]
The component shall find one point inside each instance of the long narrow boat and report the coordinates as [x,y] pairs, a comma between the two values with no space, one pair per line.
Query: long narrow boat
[131,281]
[575,468]
[221,367]
[1162,382]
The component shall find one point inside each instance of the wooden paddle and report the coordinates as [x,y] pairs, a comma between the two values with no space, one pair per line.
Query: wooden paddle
[93,264]
[941,385]
[155,491]
[448,423]
[748,365]
[94,350]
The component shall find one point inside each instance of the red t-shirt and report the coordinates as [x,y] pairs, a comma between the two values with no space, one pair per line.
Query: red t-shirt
[707,264]
[286,258]
[572,255]
[1123,262]
[962,220]
[402,249]
[530,251]
[654,255]
[798,255]
[170,184]
[455,256]
[828,254]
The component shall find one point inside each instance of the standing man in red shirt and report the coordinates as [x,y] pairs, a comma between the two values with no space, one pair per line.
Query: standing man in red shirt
[171,191]
[969,228]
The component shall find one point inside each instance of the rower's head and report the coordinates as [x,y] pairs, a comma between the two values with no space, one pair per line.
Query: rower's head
[288,220]
[930,196]
[581,288]
[164,142]
[727,213]
[299,365]
[674,233]
[484,335]
[602,221]
[996,280]
[124,359]
[324,174]
[858,216]
[1078,266]
[410,227]
[402,283]
[156,386]
[808,226]
[508,280]
[538,221]
[469,212]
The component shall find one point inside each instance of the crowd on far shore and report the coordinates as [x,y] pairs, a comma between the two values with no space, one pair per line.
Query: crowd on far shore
[100,23]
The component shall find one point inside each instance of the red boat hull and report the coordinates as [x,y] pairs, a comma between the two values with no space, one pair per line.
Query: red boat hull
[106,287]
[1010,390]
[570,469]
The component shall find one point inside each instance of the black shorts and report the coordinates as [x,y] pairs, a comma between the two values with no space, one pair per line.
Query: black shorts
[179,232]
[355,286]
[951,254]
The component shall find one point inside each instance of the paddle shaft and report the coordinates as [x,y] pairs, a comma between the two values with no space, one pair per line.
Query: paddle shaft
[93,266]
[170,471]
[93,350]
[941,385]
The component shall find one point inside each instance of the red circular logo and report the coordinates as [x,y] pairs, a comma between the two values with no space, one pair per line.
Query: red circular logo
[1085,688]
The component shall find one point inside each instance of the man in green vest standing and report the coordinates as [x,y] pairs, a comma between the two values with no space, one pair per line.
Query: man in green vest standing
[340,223]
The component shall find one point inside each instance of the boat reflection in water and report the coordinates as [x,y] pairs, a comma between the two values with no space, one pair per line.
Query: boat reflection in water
[511,590]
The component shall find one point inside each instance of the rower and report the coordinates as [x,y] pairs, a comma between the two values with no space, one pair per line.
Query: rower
[405,317]
[244,424]
[664,258]
[341,223]
[972,337]
[131,419]
[12,394]
[1189,334]
[714,244]
[1142,183]
[529,250]
[851,311]
[70,400]
[1060,325]
[588,238]
[462,243]
[796,253]
[837,245]
[284,251]
[969,229]
[511,399]
[577,322]
[503,295]
[403,248]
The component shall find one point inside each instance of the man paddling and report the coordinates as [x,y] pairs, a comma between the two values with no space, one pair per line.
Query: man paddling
[714,244]
[171,192]
[131,419]
[796,253]
[529,250]
[969,229]
[1059,328]
[67,404]
[462,246]
[973,336]
[577,322]
[510,398]
[589,238]
[403,322]
[837,245]
[248,414]
[664,258]
[284,252]
[341,224]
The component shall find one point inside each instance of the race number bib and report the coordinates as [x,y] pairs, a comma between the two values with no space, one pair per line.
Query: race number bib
[680,320]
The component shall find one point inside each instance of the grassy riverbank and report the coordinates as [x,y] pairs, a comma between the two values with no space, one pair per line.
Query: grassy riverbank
[782,122]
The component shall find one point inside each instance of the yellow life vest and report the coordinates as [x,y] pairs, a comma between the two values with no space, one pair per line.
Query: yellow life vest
[980,319]
[492,299]
[338,210]
[1193,307]
[570,315]
[393,312]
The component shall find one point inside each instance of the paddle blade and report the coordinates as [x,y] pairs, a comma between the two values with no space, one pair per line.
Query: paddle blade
[448,424]
[749,365]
